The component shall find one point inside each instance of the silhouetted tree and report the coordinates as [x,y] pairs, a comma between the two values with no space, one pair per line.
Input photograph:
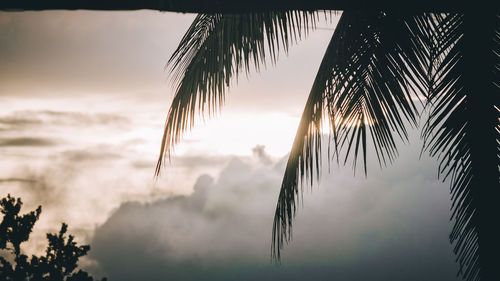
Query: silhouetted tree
[376,62]
[378,67]
[62,254]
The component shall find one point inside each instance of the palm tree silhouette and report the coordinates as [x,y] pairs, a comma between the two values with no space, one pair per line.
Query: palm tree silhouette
[377,69]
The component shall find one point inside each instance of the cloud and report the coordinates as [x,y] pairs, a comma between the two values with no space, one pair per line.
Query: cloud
[391,226]
[261,154]
[18,119]
[25,118]
[191,162]
[96,153]
[54,53]
[125,52]
[21,180]
[45,186]
[27,141]
[82,185]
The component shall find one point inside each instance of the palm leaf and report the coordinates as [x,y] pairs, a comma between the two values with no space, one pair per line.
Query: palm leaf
[217,48]
[462,130]
[367,83]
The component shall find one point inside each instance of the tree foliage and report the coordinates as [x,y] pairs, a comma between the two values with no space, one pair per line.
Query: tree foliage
[60,260]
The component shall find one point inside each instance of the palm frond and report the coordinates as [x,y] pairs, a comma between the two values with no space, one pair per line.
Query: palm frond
[367,84]
[217,48]
[462,130]
[304,159]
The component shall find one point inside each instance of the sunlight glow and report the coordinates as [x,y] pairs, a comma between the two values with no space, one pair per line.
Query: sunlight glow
[236,133]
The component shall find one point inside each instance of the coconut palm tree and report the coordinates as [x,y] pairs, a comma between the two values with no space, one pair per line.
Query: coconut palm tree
[378,69]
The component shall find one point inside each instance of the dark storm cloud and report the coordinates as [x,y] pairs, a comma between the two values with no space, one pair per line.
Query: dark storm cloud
[27,141]
[391,226]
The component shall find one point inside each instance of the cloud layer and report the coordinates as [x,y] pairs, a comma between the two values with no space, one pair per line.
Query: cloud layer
[391,226]
[86,96]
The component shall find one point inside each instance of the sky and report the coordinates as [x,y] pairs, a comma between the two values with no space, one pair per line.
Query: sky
[84,96]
